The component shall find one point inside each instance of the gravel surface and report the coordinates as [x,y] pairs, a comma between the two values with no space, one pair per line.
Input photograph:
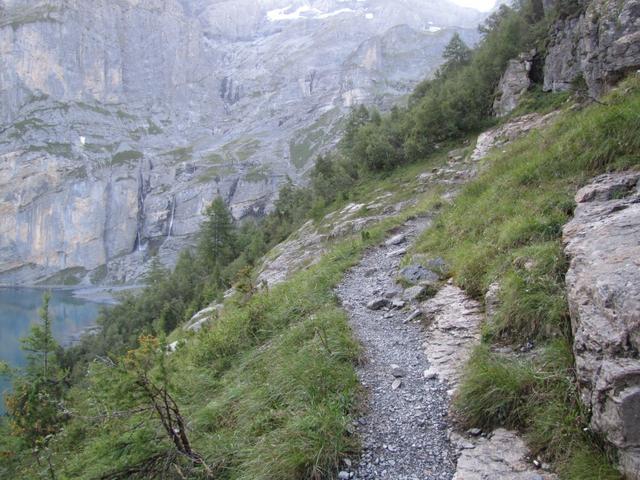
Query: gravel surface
[404,429]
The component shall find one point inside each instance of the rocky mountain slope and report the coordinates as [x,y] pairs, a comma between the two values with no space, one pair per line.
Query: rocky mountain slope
[121,122]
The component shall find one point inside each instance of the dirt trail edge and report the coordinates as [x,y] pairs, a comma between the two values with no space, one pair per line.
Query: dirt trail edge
[404,430]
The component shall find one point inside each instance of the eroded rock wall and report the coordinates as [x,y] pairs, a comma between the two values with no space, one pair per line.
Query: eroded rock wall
[596,48]
[603,289]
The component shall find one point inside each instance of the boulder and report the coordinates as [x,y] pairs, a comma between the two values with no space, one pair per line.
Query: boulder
[437,265]
[415,293]
[603,289]
[514,84]
[397,253]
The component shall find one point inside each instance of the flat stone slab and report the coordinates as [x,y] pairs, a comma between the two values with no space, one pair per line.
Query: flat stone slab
[504,456]
[453,332]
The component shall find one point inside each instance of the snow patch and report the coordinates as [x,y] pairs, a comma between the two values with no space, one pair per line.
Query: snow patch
[306,11]
[337,12]
[369,16]
[433,29]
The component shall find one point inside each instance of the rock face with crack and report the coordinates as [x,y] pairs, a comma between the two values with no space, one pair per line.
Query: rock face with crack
[120,120]
[599,46]
[603,289]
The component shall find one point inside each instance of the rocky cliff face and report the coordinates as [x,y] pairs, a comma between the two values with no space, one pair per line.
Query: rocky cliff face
[598,47]
[514,84]
[120,121]
[603,289]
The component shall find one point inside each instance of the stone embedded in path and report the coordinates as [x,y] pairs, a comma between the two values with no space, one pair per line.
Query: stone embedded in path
[397,253]
[396,240]
[397,371]
[453,332]
[398,303]
[414,293]
[396,384]
[378,303]
[417,273]
[430,374]
[603,289]
[370,272]
[414,315]
[503,456]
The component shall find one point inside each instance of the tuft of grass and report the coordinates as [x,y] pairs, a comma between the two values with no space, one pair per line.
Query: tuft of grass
[494,391]
[536,100]
[537,395]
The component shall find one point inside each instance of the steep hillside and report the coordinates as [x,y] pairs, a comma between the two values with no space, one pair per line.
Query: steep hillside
[453,295]
[135,115]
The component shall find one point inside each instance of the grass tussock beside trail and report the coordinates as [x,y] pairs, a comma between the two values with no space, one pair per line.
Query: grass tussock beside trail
[506,226]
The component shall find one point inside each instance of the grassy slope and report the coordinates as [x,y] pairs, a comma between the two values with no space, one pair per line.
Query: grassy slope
[268,390]
[506,226]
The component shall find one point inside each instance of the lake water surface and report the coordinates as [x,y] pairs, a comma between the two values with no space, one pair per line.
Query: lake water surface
[19,310]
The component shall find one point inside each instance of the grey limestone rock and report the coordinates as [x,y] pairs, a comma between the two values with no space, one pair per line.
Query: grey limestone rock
[378,303]
[601,46]
[504,134]
[417,273]
[415,293]
[602,242]
[503,456]
[513,84]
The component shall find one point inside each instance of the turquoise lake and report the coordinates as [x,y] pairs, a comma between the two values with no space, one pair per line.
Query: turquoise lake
[19,310]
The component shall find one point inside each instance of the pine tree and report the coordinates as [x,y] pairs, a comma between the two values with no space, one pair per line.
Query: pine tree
[34,406]
[40,344]
[218,237]
[455,54]
[358,117]
[141,386]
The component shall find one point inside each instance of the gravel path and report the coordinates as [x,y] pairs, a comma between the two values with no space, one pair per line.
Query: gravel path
[404,429]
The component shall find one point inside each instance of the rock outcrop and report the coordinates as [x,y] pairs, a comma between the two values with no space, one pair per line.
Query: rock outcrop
[504,134]
[120,120]
[513,84]
[603,289]
[598,47]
